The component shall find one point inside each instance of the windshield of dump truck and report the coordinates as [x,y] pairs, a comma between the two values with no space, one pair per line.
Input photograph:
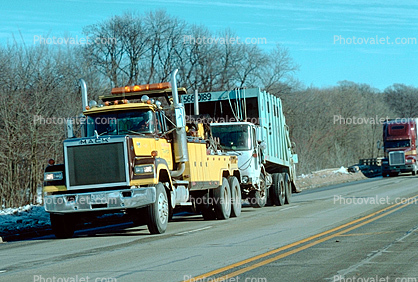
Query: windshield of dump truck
[398,144]
[233,137]
[129,122]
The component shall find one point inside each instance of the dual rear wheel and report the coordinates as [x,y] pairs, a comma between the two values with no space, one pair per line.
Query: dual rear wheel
[225,201]
[281,189]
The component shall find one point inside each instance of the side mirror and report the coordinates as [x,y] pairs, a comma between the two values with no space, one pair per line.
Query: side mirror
[70,129]
[262,145]
[379,145]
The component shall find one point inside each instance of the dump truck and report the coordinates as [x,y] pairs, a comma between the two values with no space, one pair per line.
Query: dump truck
[400,146]
[134,155]
[250,124]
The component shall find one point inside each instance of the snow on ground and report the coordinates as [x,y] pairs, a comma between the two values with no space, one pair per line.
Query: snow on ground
[342,170]
[26,218]
[327,177]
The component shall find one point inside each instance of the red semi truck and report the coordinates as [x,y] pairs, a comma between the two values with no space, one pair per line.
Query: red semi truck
[399,138]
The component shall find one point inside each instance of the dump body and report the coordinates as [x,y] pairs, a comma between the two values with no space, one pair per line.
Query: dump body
[250,124]
[254,106]
[399,142]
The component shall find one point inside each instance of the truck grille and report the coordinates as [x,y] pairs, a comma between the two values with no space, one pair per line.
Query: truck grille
[96,164]
[397,158]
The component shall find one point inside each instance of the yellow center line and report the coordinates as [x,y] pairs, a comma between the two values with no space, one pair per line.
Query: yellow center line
[267,261]
[238,264]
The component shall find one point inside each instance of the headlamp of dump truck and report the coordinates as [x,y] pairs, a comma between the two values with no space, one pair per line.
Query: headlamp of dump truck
[410,161]
[52,176]
[143,169]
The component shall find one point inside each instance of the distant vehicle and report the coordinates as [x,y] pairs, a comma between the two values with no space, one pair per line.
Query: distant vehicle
[400,148]
[250,124]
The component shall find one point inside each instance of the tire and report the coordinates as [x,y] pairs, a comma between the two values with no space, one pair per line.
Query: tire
[278,190]
[139,216]
[158,212]
[222,200]
[235,196]
[63,226]
[204,205]
[258,199]
[287,188]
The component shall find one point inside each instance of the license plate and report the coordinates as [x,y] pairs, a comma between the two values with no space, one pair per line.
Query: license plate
[98,198]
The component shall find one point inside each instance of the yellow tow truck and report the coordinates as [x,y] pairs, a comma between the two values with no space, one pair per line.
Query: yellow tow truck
[135,155]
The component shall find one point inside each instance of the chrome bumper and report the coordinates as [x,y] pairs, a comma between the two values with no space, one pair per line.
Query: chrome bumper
[100,201]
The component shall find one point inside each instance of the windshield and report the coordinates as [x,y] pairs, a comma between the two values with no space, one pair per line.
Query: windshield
[397,144]
[233,137]
[121,123]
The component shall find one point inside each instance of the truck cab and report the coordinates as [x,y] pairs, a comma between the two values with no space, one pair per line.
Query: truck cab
[240,139]
[399,137]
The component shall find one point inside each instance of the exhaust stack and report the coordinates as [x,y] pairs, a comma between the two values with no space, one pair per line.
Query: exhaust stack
[180,138]
[196,102]
[83,93]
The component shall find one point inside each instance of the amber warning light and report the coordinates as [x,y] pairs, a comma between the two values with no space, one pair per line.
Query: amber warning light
[139,88]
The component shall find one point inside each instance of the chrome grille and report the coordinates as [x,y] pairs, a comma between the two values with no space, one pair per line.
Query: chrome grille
[397,158]
[97,165]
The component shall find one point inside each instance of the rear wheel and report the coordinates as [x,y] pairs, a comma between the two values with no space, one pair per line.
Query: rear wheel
[158,212]
[278,190]
[63,225]
[235,196]
[222,200]
[287,188]
[204,205]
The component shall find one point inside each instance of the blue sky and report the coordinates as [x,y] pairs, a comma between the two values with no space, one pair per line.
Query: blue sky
[308,29]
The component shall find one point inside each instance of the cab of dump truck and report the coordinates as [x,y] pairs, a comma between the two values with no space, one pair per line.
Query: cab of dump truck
[240,139]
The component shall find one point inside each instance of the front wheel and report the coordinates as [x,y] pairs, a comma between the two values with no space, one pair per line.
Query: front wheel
[258,199]
[158,212]
[63,225]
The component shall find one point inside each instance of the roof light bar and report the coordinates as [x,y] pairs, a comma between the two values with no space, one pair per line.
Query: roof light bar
[139,88]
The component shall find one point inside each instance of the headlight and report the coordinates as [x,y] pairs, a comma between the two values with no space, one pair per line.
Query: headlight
[51,176]
[409,161]
[141,169]
[245,179]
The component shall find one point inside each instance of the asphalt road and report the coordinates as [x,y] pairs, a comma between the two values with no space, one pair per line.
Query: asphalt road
[357,232]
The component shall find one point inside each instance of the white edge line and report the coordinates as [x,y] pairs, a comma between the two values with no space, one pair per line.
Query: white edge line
[288,208]
[194,230]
